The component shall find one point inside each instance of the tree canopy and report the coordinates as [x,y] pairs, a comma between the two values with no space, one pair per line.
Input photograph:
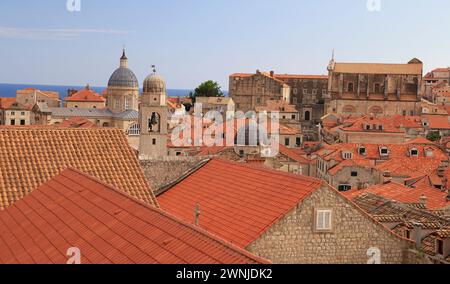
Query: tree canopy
[207,89]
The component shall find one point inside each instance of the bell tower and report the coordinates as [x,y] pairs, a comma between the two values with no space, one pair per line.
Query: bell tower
[153,117]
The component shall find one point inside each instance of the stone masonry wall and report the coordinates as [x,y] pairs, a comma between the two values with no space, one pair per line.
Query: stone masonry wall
[293,240]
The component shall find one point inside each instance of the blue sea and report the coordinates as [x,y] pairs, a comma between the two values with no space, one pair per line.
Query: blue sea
[9,90]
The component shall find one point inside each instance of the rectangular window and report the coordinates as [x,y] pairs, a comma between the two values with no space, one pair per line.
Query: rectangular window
[294,117]
[323,220]
[13,122]
[117,104]
[440,247]
[305,91]
[13,113]
[287,141]
[22,113]
[298,141]
[344,187]
[154,142]
[22,122]
[127,104]
[354,174]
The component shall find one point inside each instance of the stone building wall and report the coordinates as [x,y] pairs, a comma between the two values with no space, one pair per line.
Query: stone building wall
[365,177]
[164,170]
[293,240]
[256,90]
[308,96]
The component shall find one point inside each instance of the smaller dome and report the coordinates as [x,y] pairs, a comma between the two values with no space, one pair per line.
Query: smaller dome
[154,83]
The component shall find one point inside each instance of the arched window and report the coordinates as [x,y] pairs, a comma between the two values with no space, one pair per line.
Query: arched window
[376,110]
[127,103]
[349,110]
[307,116]
[134,130]
[154,123]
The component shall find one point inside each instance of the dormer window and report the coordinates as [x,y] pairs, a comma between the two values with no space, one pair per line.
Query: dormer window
[384,151]
[362,151]
[414,152]
[347,155]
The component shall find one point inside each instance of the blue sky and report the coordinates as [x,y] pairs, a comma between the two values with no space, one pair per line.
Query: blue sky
[191,41]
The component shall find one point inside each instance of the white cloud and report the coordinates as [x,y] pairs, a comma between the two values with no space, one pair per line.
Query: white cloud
[51,34]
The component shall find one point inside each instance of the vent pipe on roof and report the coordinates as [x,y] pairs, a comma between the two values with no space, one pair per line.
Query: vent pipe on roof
[197,214]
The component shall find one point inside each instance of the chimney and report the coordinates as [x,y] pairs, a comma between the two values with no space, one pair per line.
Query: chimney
[423,200]
[197,214]
[417,233]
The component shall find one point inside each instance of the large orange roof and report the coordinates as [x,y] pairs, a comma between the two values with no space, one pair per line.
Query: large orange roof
[238,202]
[109,227]
[85,95]
[436,199]
[438,121]
[31,156]
[6,103]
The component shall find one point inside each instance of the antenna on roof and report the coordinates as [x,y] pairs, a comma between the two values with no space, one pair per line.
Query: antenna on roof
[197,214]
[332,55]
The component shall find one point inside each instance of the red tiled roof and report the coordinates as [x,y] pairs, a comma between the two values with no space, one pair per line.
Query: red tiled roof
[30,156]
[238,202]
[410,167]
[441,70]
[85,95]
[436,199]
[373,151]
[362,163]
[109,227]
[293,154]
[50,94]
[438,121]
[420,140]
[6,103]
[76,122]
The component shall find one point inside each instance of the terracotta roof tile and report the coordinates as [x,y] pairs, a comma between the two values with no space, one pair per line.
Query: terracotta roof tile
[6,103]
[436,199]
[438,121]
[85,95]
[31,156]
[75,210]
[238,202]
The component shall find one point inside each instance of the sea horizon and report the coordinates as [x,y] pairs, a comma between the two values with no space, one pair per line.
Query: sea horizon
[8,90]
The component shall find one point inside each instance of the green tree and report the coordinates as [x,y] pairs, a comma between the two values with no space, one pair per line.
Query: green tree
[206,89]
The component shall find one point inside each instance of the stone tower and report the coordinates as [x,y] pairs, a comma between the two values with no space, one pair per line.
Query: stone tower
[153,118]
[123,88]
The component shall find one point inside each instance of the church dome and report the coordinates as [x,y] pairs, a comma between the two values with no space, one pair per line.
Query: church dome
[154,83]
[123,76]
